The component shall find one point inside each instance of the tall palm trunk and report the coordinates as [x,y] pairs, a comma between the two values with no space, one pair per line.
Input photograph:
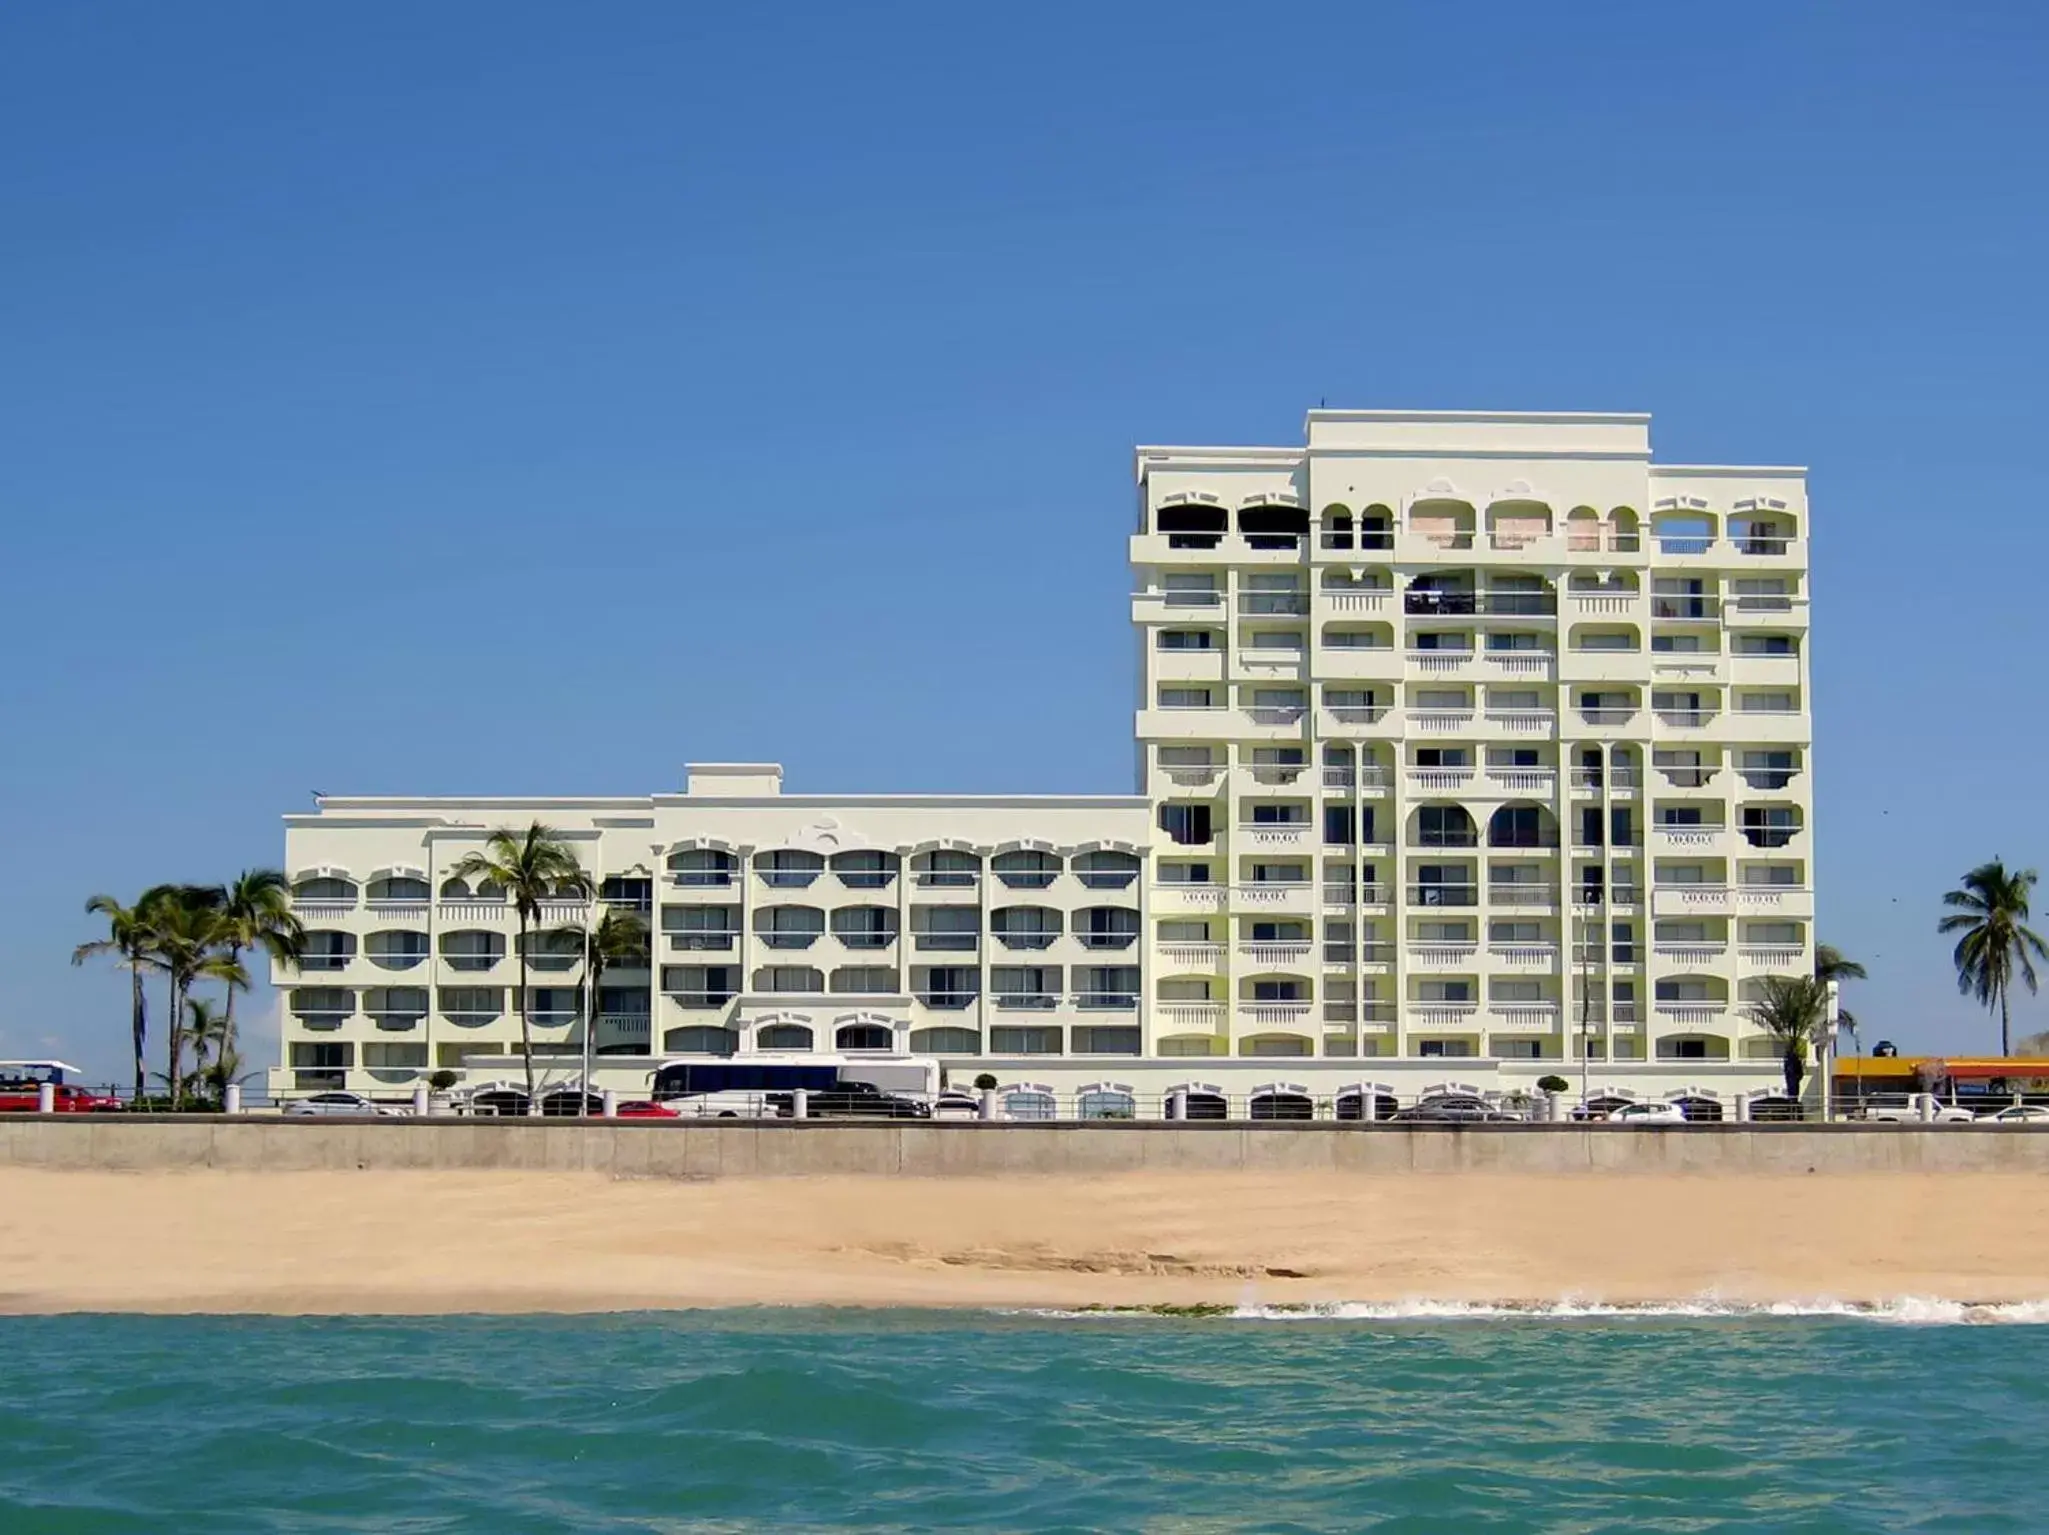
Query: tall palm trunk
[594,966]
[2005,1029]
[140,1024]
[176,1045]
[526,1022]
[228,1022]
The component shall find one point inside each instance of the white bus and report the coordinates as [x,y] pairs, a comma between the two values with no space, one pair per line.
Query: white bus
[761,1086]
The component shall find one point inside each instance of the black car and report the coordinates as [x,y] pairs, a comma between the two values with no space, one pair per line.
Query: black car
[851,1100]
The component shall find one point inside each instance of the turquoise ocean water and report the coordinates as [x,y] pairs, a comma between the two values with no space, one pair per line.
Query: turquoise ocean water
[916,1421]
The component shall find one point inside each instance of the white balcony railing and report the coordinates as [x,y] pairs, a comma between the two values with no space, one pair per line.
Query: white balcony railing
[1522,895]
[1524,780]
[1440,721]
[1607,715]
[1201,1017]
[1772,956]
[1439,1015]
[1602,604]
[1690,953]
[1267,1015]
[1436,780]
[1275,833]
[1189,893]
[1440,660]
[1524,1015]
[1593,780]
[1522,721]
[1692,1011]
[1275,952]
[1443,956]
[1523,956]
[1192,956]
[1276,714]
[1273,892]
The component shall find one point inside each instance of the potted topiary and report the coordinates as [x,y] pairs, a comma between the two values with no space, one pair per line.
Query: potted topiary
[1553,1087]
[439,1099]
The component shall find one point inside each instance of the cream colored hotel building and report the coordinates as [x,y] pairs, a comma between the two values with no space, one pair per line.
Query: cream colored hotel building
[1466,742]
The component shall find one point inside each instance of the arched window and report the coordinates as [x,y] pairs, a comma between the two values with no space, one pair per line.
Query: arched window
[1106,1101]
[1273,527]
[863,1036]
[1337,528]
[702,866]
[398,890]
[783,1036]
[1030,1103]
[1191,527]
[1026,868]
[1106,869]
[700,1041]
[1282,1103]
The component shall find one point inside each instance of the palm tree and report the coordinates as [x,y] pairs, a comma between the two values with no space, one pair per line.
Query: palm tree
[186,938]
[532,866]
[210,1032]
[1832,964]
[618,938]
[1992,915]
[129,940]
[256,913]
[1793,1009]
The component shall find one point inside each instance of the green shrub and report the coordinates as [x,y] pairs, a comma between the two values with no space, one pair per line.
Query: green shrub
[1553,1084]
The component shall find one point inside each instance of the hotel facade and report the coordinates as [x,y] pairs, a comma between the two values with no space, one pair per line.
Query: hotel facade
[1471,748]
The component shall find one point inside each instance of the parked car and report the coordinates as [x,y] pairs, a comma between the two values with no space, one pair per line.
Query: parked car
[2017,1114]
[339,1104]
[957,1106]
[1907,1109]
[20,1098]
[642,1108]
[1454,1110]
[1648,1114]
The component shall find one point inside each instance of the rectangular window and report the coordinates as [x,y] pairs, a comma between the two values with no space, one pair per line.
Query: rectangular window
[1455,992]
[1511,640]
[1340,826]
[1184,698]
[1188,639]
[1184,873]
[1765,645]
[1278,991]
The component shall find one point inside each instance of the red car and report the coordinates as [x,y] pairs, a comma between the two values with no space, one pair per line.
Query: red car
[20,1098]
[641,1108]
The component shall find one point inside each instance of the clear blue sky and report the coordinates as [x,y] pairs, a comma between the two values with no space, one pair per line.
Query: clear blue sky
[531,398]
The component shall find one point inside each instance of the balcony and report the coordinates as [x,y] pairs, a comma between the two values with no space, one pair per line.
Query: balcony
[1607,715]
[1341,715]
[699,942]
[1440,721]
[1191,956]
[1441,662]
[1520,663]
[1690,953]
[1440,780]
[1108,939]
[1677,837]
[1604,604]
[1191,775]
[1355,600]
[1691,1014]
[1274,1015]
[1271,775]
[1443,956]
[1283,952]
[1614,780]
[1186,895]
[1523,956]
[1191,1017]
[956,943]
[1444,895]
[1275,834]
[1275,716]
[1105,1001]
[1539,781]
[1690,897]
[1773,956]
[1288,895]
[1443,1015]
[1524,1015]
[625,1026]
[1522,721]
[316,907]
[1341,894]
[1538,896]
[323,1019]
[1025,1001]
[1368,780]
[1686,719]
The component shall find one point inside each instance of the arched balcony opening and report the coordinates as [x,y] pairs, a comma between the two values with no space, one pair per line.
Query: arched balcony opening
[865,869]
[789,927]
[701,867]
[1189,526]
[1106,1100]
[1106,927]
[1030,1101]
[1625,530]
[1107,869]
[1203,1100]
[324,890]
[863,1036]
[326,949]
[398,890]
[1376,527]
[946,868]
[787,868]
[1442,826]
[1445,521]
[864,927]
[1273,526]
[1687,531]
[400,950]
[1281,1100]
[1336,528]
[1517,524]
[1756,531]
[1440,593]
[1026,927]
[1522,825]
[1026,868]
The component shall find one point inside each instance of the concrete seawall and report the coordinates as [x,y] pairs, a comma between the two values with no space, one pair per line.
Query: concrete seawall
[727,1150]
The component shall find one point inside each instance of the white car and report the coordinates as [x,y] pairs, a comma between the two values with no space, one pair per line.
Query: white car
[1915,1109]
[2017,1114]
[339,1103]
[1648,1114]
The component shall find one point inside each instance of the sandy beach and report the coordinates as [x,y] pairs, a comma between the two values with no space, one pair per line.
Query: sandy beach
[429,1242]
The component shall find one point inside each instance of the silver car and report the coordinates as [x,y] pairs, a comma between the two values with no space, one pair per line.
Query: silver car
[2017,1114]
[339,1103]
